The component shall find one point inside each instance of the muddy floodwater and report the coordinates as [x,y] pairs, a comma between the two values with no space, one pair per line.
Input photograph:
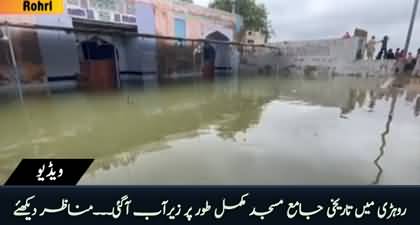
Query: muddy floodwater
[249,130]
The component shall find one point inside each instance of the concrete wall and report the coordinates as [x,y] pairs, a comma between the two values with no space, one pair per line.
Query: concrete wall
[320,52]
[330,56]
[260,60]
[58,48]
[369,68]
[141,53]
[21,19]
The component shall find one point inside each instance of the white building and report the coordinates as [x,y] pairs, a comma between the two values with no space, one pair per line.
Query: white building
[254,37]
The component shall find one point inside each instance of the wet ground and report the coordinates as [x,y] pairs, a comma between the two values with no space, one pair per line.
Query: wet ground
[253,130]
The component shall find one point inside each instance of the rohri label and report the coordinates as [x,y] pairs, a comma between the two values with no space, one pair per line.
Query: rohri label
[31,6]
[37,6]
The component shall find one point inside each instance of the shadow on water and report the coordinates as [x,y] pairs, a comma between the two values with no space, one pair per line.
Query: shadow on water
[417,108]
[398,83]
[383,139]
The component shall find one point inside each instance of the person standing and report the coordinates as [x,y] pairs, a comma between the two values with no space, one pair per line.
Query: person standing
[410,63]
[390,54]
[410,57]
[416,70]
[383,50]
[371,48]
[400,63]
[347,35]
[397,53]
[402,54]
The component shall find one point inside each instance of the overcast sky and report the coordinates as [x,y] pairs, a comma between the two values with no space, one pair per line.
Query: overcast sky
[317,19]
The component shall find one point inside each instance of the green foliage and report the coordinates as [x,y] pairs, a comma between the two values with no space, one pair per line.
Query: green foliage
[189,1]
[255,15]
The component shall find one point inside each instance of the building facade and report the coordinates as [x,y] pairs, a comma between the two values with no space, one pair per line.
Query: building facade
[56,55]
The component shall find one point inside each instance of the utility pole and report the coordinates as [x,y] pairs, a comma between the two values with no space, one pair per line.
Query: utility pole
[384,135]
[6,35]
[233,6]
[410,28]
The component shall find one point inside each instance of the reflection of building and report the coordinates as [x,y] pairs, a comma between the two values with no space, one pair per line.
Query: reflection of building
[413,89]
[417,107]
[115,23]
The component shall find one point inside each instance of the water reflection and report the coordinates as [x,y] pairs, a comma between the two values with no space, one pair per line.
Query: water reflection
[247,130]
[372,99]
[383,137]
[351,104]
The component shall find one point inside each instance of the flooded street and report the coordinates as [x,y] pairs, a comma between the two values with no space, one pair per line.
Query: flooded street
[253,130]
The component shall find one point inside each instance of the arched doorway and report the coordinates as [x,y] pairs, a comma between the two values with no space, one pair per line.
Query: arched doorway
[98,64]
[222,62]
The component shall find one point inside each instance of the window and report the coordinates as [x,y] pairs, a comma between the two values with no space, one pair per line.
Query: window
[104,4]
[251,41]
[73,2]
[180,30]
[104,15]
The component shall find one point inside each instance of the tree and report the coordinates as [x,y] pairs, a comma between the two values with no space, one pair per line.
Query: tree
[189,1]
[255,15]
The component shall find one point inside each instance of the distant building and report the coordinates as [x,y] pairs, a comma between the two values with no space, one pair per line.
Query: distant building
[254,37]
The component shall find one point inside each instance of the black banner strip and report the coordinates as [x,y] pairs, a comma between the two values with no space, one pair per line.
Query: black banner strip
[49,172]
[210,205]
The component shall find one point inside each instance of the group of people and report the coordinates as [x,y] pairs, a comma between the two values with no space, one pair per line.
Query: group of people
[405,62]
[390,54]
[384,52]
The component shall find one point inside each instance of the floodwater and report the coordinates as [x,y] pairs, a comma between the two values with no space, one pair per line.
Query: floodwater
[252,130]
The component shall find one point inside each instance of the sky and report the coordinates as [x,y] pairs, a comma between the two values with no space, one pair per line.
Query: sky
[319,19]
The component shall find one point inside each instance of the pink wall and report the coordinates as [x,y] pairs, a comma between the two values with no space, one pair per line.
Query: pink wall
[200,20]
[194,28]
[18,19]
[164,18]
